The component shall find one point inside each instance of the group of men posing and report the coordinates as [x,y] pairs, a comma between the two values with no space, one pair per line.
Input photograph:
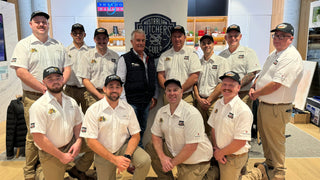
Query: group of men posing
[116,94]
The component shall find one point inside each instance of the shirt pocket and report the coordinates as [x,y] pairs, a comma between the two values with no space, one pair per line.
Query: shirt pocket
[123,126]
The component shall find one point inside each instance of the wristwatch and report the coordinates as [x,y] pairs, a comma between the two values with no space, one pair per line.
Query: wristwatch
[127,156]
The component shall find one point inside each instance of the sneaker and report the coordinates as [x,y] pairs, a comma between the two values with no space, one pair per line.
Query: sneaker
[263,167]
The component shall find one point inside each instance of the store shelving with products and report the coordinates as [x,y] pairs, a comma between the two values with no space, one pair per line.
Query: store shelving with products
[109,23]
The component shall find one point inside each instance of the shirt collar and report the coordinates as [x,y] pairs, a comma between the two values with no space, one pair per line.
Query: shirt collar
[84,46]
[49,97]
[34,39]
[232,102]
[106,105]
[178,111]
[135,52]
[211,59]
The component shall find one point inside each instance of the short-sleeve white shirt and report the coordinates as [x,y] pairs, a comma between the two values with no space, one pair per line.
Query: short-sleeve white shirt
[179,65]
[48,117]
[111,127]
[97,67]
[30,53]
[212,69]
[184,126]
[231,121]
[242,61]
[286,68]
[75,55]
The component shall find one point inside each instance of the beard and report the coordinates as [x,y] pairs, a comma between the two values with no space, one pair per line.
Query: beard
[55,90]
[113,98]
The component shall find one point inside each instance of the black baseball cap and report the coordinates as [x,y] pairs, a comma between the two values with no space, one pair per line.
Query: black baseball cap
[77,26]
[174,81]
[51,70]
[101,31]
[233,27]
[112,77]
[284,27]
[206,37]
[179,29]
[231,74]
[39,13]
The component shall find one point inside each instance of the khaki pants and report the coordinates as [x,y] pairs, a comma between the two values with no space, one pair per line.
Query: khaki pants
[205,115]
[272,120]
[107,170]
[31,150]
[90,98]
[185,171]
[86,160]
[78,95]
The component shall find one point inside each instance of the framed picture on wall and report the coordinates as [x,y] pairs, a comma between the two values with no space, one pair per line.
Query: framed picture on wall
[2,42]
[314,18]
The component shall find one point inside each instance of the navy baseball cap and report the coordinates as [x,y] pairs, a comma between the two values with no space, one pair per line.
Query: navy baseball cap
[39,13]
[174,81]
[112,77]
[206,37]
[233,27]
[101,31]
[77,26]
[51,70]
[178,28]
[231,74]
[284,27]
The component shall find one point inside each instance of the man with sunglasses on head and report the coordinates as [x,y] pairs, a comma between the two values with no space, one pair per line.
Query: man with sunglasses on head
[242,60]
[276,88]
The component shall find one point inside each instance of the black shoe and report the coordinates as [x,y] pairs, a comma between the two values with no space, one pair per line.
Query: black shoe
[10,157]
[269,166]
[75,173]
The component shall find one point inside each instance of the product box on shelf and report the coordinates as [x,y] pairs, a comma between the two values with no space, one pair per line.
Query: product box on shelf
[313,105]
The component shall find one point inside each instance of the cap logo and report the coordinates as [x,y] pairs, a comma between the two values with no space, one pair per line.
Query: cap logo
[230,74]
[233,26]
[177,27]
[282,26]
[100,30]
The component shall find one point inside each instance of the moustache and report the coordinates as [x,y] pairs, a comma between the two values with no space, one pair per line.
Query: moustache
[227,90]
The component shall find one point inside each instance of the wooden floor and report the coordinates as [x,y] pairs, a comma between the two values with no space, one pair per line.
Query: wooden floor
[297,168]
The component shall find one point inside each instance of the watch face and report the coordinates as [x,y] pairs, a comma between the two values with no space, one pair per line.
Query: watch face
[127,156]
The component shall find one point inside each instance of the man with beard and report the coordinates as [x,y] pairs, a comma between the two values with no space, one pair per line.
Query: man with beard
[55,122]
[112,131]
[231,121]
[97,64]
[30,57]
[178,138]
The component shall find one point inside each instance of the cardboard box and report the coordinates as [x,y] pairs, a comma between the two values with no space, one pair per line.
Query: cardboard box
[313,105]
[301,117]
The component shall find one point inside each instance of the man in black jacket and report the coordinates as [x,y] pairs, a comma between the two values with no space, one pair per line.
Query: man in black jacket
[138,72]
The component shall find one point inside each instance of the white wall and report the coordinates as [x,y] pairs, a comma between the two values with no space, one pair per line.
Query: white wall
[291,15]
[10,87]
[254,19]
[65,13]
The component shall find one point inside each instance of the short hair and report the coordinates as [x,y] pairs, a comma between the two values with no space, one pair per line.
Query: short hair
[140,31]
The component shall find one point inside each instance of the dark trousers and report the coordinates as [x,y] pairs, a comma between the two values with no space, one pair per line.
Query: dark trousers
[142,112]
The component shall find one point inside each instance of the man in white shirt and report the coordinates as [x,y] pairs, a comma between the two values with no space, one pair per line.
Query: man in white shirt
[30,57]
[276,87]
[112,131]
[181,63]
[55,122]
[178,138]
[231,121]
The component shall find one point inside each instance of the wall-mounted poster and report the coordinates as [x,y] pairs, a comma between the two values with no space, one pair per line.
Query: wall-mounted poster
[110,8]
[2,42]
[314,19]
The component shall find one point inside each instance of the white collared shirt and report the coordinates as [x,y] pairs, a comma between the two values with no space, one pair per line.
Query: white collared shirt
[111,127]
[286,68]
[56,121]
[97,67]
[179,65]
[231,121]
[75,55]
[184,126]
[30,53]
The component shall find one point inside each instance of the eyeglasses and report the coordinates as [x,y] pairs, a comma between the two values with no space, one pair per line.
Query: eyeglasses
[280,37]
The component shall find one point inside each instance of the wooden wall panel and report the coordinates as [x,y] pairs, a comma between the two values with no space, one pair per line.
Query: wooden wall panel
[276,17]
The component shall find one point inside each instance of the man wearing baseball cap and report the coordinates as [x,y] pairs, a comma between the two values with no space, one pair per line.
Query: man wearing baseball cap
[231,121]
[179,62]
[96,64]
[276,87]
[178,138]
[112,131]
[242,60]
[55,123]
[30,57]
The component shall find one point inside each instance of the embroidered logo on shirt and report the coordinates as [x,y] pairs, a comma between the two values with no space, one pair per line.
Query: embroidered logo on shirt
[51,111]
[102,119]
[113,60]
[181,123]
[32,125]
[230,115]
[167,59]
[186,58]
[33,50]
[93,61]
[275,62]
[135,64]
[69,55]
[241,56]
[245,132]
[161,120]
[197,135]
[214,66]
[13,59]
[216,111]
[84,129]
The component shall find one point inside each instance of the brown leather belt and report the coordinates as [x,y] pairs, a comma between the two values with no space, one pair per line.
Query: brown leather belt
[237,155]
[32,93]
[275,104]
